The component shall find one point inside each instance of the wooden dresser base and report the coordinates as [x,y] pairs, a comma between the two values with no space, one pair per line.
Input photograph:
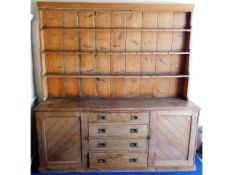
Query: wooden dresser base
[144,134]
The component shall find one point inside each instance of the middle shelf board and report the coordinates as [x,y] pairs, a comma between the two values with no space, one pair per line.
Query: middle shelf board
[119,75]
[121,29]
[121,52]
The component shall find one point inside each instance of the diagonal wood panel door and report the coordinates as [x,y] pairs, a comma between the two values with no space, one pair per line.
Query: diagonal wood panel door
[171,139]
[61,136]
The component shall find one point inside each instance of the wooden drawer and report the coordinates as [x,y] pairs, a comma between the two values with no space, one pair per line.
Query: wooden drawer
[107,144]
[101,160]
[118,130]
[118,117]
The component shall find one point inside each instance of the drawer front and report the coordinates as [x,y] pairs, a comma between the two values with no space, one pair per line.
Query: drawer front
[118,117]
[108,144]
[102,160]
[115,130]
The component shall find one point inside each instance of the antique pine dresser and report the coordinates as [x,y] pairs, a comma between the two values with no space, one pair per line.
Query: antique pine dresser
[115,80]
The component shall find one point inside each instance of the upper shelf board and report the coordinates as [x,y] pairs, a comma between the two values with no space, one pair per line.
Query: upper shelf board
[119,6]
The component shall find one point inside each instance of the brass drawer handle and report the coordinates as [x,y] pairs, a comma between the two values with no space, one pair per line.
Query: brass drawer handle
[102,117]
[102,145]
[133,130]
[133,160]
[134,117]
[133,144]
[101,160]
[101,131]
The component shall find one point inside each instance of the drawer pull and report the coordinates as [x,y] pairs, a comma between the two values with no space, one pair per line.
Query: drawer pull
[102,117]
[133,130]
[102,145]
[101,131]
[134,117]
[101,161]
[133,160]
[133,145]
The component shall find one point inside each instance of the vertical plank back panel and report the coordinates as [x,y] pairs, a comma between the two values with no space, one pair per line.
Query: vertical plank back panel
[56,87]
[54,63]
[71,63]
[70,18]
[51,18]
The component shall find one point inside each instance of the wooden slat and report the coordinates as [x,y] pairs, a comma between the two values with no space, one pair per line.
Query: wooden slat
[179,64]
[51,18]
[179,41]
[118,19]
[103,87]
[134,19]
[132,64]
[118,39]
[180,20]
[164,41]
[133,41]
[88,87]
[175,86]
[54,63]
[132,87]
[70,40]
[102,63]
[149,41]
[146,87]
[149,20]
[56,87]
[53,40]
[102,19]
[163,64]
[88,63]
[70,18]
[148,63]
[71,63]
[86,18]
[72,87]
[103,40]
[87,40]
[117,63]
[161,87]
[118,87]
[165,19]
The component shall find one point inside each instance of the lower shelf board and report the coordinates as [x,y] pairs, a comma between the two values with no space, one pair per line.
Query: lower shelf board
[147,169]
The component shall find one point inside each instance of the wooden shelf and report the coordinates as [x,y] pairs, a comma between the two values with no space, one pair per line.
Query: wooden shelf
[110,52]
[119,75]
[121,52]
[120,29]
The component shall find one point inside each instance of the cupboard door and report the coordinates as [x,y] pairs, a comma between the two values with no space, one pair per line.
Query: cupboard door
[173,135]
[60,139]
